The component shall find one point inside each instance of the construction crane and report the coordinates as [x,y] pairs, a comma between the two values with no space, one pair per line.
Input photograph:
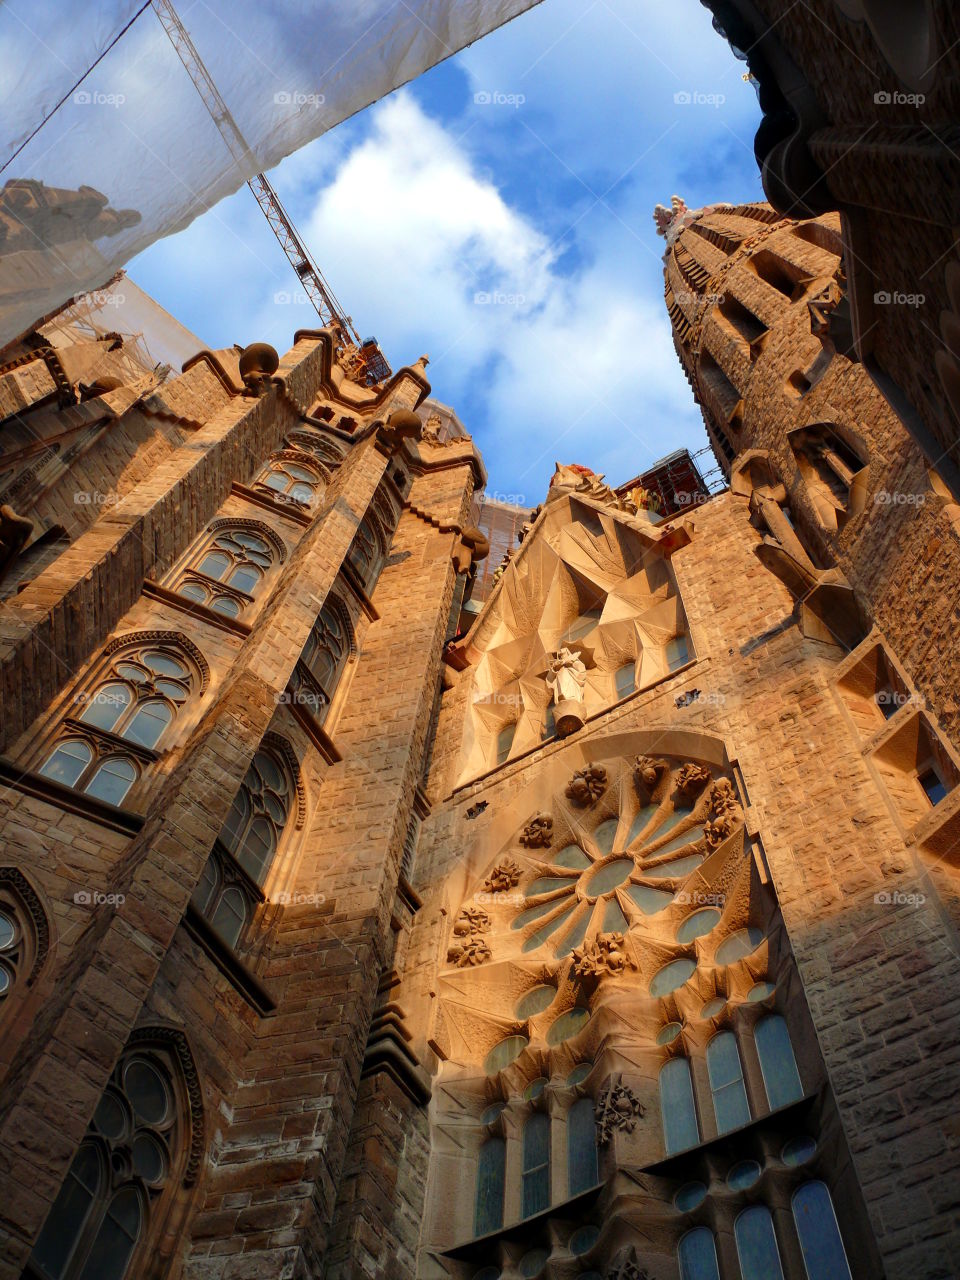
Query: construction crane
[374,368]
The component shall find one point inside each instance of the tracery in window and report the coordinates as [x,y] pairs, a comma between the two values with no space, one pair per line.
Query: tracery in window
[134,702]
[292,477]
[258,814]
[24,933]
[227,569]
[135,1151]
[368,550]
[324,658]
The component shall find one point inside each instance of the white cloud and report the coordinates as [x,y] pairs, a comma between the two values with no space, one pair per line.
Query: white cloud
[565,360]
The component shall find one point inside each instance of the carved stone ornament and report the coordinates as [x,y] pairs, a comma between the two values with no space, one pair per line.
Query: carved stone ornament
[649,770]
[504,875]
[469,947]
[618,1107]
[599,957]
[587,785]
[692,778]
[626,1267]
[538,833]
[726,812]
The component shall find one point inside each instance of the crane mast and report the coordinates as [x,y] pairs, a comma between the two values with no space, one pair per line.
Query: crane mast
[374,366]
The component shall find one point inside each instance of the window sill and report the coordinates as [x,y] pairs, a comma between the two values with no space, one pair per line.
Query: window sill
[225,958]
[195,610]
[65,798]
[286,510]
[521,1233]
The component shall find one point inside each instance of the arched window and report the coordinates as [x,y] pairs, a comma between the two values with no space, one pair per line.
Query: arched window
[133,1151]
[226,570]
[289,478]
[677,1107]
[258,814]
[781,1079]
[366,551]
[325,656]
[224,899]
[678,652]
[491,1170]
[697,1255]
[757,1245]
[824,1256]
[536,1164]
[726,1082]
[549,722]
[136,699]
[582,1168]
[626,679]
[505,741]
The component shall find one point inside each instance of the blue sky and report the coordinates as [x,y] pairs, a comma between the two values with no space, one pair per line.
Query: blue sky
[497,214]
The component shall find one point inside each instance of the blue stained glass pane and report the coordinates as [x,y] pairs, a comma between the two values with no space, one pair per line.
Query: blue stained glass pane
[502,1054]
[757,1245]
[581,1147]
[667,1034]
[738,945]
[677,1109]
[567,1025]
[549,884]
[536,1164]
[672,976]
[576,935]
[604,834]
[535,913]
[668,824]
[798,1151]
[535,1001]
[571,855]
[697,1255]
[640,821]
[532,1263]
[609,876]
[650,901]
[685,837]
[678,652]
[760,991]
[690,1196]
[626,680]
[491,1167]
[713,1007]
[537,939]
[583,1239]
[698,924]
[743,1175]
[820,1239]
[726,1082]
[781,1079]
[677,867]
[614,921]
[579,1073]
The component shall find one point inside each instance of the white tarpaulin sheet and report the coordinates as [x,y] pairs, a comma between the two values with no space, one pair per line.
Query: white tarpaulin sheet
[106,144]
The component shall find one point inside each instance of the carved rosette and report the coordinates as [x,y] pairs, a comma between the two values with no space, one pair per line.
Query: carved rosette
[503,876]
[587,785]
[726,813]
[538,833]
[469,947]
[599,957]
[649,770]
[692,778]
[618,1107]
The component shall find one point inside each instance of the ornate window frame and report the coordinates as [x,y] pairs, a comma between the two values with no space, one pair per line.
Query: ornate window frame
[216,537]
[283,462]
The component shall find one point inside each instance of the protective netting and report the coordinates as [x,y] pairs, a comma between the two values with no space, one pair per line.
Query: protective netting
[107,146]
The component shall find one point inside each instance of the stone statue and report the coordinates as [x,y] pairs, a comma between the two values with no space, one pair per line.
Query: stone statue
[566,676]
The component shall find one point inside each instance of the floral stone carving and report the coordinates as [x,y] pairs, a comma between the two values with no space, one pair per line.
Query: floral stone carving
[725,810]
[538,833]
[692,778]
[599,957]
[503,876]
[587,785]
[470,947]
[626,1267]
[618,1107]
[649,770]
